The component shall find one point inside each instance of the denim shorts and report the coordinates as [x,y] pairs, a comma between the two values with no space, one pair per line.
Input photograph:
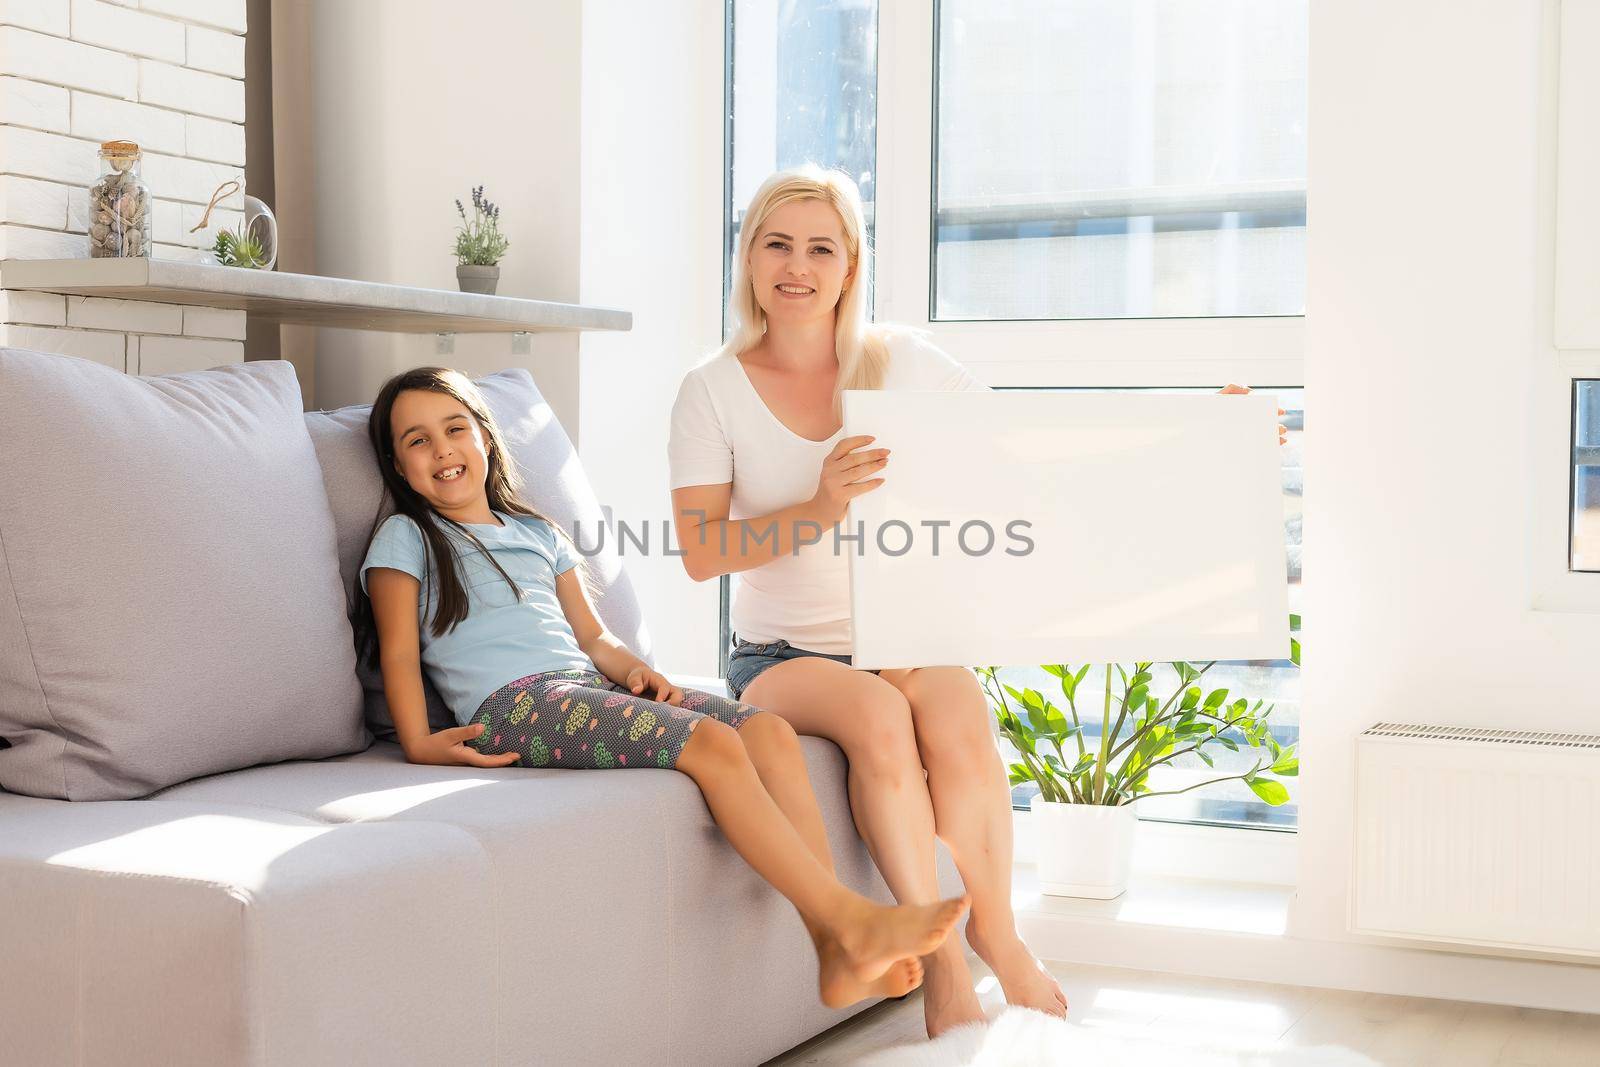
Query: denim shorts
[749,659]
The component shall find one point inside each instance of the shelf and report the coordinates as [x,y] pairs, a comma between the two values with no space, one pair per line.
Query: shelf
[304,299]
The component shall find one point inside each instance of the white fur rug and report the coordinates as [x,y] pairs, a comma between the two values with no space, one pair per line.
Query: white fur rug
[1019,1037]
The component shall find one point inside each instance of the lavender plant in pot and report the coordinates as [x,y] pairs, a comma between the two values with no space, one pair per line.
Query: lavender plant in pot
[479,245]
[1082,819]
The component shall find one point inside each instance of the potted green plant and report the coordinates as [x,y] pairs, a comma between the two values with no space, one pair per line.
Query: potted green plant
[479,245]
[1083,816]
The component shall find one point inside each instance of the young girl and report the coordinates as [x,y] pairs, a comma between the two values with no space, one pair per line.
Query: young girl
[469,582]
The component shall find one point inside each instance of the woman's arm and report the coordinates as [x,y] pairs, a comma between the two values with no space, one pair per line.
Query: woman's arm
[713,544]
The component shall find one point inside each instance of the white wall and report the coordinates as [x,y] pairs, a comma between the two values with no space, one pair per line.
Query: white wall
[651,181]
[416,102]
[1428,327]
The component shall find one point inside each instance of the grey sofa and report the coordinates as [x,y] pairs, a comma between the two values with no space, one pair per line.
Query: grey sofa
[360,909]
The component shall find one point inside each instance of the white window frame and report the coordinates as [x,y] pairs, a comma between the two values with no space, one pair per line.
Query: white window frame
[1268,351]
[1264,351]
[1166,352]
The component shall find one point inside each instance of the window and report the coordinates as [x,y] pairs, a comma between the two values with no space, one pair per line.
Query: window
[1074,193]
[802,83]
[1109,159]
[1276,682]
[1585,531]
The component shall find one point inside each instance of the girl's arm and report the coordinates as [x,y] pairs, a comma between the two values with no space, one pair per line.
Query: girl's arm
[609,655]
[394,609]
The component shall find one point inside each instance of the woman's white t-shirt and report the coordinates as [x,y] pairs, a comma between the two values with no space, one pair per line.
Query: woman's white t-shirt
[722,431]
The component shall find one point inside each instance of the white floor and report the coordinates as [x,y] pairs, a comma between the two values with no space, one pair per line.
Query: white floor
[1394,1030]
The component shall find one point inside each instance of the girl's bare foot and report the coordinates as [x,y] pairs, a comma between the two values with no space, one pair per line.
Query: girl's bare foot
[874,936]
[839,987]
[948,999]
[1024,979]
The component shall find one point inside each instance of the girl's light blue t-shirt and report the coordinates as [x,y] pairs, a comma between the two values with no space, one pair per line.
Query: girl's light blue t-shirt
[501,639]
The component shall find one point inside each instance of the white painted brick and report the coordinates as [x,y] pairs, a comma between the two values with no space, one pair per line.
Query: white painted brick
[172,222]
[223,14]
[48,155]
[78,66]
[191,90]
[107,348]
[25,242]
[39,309]
[122,30]
[171,355]
[211,139]
[214,322]
[105,119]
[26,103]
[181,253]
[78,210]
[33,203]
[193,180]
[96,313]
[46,16]
[220,53]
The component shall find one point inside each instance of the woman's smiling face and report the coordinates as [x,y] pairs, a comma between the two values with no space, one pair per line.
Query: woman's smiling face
[798,262]
[439,449]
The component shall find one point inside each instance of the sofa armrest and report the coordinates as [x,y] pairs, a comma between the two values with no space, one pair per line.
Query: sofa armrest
[136,932]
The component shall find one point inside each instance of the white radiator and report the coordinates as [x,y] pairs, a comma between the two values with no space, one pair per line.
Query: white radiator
[1478,837]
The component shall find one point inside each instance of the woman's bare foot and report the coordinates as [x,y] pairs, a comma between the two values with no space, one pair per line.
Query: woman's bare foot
[1024,979]
[874,936]
[839,987]
[948,999]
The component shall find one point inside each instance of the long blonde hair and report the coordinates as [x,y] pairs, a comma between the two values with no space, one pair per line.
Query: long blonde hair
[859,345]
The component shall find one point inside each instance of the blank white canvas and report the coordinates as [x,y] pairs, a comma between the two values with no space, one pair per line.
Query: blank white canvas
[1156,524]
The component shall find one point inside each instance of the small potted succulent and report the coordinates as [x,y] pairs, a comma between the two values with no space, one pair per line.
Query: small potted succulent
[1083,818]
[479,245]
[241,247]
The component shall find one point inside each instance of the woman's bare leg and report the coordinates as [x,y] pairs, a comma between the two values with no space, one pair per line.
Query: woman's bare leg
[775,753]
[871,721]
[972,812]
[872,936]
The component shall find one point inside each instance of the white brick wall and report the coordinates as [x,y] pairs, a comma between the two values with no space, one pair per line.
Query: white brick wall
[168,74]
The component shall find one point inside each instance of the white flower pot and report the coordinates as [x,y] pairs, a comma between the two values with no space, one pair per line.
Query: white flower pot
[1082,850]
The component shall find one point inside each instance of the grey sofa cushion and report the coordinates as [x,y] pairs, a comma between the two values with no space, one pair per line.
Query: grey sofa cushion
[553,482]
[169,588]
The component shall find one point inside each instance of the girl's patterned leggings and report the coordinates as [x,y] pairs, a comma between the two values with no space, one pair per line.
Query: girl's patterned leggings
[582,719]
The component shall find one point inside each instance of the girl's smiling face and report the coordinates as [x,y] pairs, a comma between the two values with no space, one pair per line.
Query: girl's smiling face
[439,450]
[798,262]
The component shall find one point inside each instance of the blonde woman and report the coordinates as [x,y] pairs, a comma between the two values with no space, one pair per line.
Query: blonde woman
[757,454]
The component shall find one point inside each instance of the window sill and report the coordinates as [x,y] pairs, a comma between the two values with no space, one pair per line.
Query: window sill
[1193,853]
[1194,904]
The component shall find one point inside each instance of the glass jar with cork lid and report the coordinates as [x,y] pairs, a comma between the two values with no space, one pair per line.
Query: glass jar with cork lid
[119,204]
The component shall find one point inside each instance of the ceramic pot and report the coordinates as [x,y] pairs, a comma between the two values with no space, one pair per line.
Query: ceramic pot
[473,278]
[1082,850]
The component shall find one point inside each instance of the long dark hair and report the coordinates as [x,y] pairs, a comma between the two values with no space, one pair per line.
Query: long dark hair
[503,486]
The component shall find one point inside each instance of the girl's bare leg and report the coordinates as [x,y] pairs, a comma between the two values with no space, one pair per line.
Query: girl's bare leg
[775,753]
[972,812]
[872,937]
[871,721]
